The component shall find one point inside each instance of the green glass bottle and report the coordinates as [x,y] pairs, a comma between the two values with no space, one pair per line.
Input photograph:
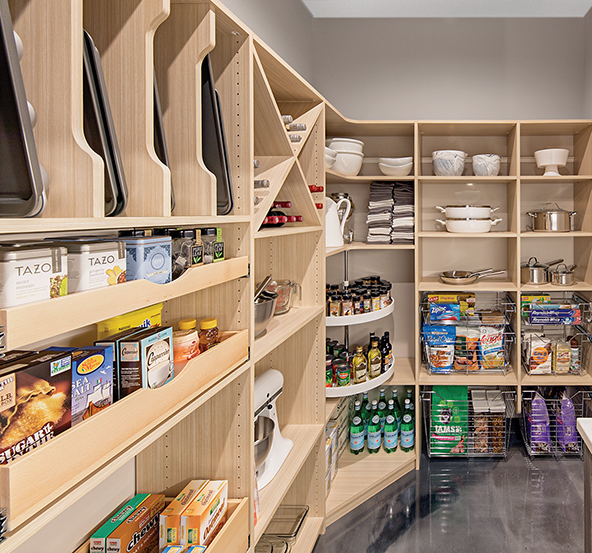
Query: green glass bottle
[365,410]
[407,427]
[391,429]
[356,431]
[374,430]
[397,407]
[382,409]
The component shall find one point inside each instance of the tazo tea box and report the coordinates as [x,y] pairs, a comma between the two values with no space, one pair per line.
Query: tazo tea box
[30,274]
[206,512]
[139,532]
[35,397]
[95,264]
[92,380]
[98,541]
[146,360]
[170,519]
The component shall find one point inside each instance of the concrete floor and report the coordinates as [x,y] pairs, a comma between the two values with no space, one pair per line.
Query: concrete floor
[472,506]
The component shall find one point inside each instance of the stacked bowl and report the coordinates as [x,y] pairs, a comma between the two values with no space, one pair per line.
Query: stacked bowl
[395,166]
[348,155]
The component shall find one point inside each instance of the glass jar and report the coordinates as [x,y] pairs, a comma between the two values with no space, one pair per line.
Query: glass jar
[335,306]
[197,252]
[375,299]
[367,303]
[357,309]
[384,298]
[181,247]
[185,342]
[218,246]
[208,334]
[208,237]
[347,306]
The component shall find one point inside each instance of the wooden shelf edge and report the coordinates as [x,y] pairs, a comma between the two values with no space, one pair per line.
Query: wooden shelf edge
[286,231]
[361,246]
[105,452]
[476,377]
[335,510]
[305,437]
[84,308]
[283,327]
[308,535]
[556,379]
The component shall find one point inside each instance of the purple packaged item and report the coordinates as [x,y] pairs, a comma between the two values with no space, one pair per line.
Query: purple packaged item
[567,434]
[539,428]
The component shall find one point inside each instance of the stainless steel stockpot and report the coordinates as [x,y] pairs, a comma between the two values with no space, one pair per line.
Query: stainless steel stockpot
[552,220]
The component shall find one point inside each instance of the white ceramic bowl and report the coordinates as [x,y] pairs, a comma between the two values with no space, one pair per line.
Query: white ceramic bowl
[448,163]
[486,165]
[330,161]
[398,171]
[346,145]
[395,161]
[551,159]
[331,153]
[347,163]
[468,225]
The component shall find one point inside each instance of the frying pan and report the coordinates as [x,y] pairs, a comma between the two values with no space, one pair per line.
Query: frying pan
[460,278]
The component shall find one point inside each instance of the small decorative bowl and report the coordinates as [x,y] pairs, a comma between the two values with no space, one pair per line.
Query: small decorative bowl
[448,163]
[486,165]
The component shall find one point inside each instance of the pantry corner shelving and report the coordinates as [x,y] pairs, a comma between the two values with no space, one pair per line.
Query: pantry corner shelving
[363,318]
[366,386]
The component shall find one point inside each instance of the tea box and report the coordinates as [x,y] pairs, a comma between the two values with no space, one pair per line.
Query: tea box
[149,258]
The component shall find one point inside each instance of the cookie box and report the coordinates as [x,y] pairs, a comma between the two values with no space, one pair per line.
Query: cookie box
[32,273]
[149,258]
[146,360]
[139,532]
[92,380]
[203,517]
[35,399]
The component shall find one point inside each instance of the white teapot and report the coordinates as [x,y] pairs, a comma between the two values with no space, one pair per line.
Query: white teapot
[333,227]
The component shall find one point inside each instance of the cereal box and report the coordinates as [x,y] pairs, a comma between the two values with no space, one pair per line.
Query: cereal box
[35,397]
[92,380]
[146,360]
[98,541]
[139,532]
[170,519]
[200,521]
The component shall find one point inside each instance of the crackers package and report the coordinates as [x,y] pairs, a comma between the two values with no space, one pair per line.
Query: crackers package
[200,521]
[98,541]
[35,398]
[170,519]
[139,532]
[491,345]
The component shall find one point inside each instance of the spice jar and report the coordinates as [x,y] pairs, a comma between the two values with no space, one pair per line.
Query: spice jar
[346,305]
[208,237]
[367,303]
[356,308]
[208,334]
[197,252]
[375,299]
[384,299]
[181,246]
[328,371]
[335,306]
[185,342]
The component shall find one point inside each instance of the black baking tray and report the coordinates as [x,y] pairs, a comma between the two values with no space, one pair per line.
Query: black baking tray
[214,151]
[21,182]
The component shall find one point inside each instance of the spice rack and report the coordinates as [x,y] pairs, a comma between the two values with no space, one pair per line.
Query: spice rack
[362,318]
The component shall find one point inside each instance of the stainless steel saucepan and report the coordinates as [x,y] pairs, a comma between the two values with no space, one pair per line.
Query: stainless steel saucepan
[535,272]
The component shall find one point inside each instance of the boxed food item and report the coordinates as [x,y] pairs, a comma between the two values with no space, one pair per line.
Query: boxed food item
[561,357]
[465,301]
[35,396]
[449,420]
[15,355]
[196,549]
[149,258]
[145,317]
[526,301]
[170,518]
[95,264]
[552,313]
[92,380]
[113,342]
[173,549]
[146,360]
[205,514]
[139,532]
[98,541]
[32,273]
[444,312]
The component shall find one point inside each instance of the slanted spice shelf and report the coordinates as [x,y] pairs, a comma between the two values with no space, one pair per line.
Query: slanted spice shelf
[101,449]
[73,311]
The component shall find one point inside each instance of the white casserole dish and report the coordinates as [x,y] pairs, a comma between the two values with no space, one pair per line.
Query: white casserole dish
[346,144]
[468,225]
[467,211]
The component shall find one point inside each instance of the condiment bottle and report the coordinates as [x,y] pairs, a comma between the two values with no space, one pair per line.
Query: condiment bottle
[375,299]
[218,246]
[185,341]
[360,366]
[374,360]
[346,305]
[335,306]
[208,237]
[197,252]
[208,334]
[367,303]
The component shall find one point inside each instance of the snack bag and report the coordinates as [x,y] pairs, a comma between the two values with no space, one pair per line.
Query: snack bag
[538,424]
[440,347]
[540,358]
[491,346]
[567,434]
[466,349]
[449,420]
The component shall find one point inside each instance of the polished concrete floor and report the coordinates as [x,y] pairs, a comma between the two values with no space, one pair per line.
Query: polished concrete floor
[471,506]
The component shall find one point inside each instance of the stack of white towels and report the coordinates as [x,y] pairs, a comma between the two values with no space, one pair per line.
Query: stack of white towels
[391,214]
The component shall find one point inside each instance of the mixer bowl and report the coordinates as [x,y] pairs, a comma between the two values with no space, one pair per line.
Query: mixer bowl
[263,439]
[264,310]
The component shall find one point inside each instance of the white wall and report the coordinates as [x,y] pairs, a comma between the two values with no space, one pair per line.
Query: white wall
[452,68]
[286,26]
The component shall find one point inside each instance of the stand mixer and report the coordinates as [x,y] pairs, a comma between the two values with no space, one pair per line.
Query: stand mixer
[271,448]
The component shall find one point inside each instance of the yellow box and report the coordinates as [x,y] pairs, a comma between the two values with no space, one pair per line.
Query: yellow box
[205,514]
[145,317]
[173,549]
[170,518]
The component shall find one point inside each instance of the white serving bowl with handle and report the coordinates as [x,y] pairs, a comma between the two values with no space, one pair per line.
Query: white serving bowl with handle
[467,211]
[345,145]
[468,226]
[348,163]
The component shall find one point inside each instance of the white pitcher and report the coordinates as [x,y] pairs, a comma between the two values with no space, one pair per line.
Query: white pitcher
[333,227]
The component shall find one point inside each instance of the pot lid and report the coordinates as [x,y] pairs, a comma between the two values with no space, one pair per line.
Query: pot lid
[467,219]
[546,209]
[455,206]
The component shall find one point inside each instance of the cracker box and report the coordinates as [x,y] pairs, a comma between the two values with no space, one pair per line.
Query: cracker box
[173,549]
[200,521]
[170,519]
[196,549]
[35,398]
[92,380]
[139,532]
[113,342]
[146,360]
[98,541]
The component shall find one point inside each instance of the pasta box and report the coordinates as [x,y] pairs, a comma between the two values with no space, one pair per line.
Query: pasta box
[202,518]
[146,360]
[35,400]
[92,380]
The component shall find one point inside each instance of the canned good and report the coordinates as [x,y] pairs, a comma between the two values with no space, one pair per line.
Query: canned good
[342,373]
[329,371]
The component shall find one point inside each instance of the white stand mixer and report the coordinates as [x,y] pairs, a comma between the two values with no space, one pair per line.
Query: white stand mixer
[268,387]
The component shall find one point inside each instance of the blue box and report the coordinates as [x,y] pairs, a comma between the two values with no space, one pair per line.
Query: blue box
[148,258]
